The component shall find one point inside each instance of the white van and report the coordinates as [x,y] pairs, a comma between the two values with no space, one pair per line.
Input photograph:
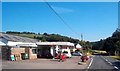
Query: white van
[67,53]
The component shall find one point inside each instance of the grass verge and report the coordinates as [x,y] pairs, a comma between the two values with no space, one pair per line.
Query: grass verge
[116,57]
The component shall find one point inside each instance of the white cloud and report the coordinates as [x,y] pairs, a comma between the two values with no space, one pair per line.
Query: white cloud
[62,9]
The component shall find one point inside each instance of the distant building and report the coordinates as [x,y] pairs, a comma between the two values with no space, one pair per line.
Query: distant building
[78,47]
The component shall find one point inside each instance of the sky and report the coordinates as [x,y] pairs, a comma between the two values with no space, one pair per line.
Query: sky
[94,20]
[0,16]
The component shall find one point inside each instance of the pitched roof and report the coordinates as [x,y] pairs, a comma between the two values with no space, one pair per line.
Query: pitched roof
[78,46]
[16,38]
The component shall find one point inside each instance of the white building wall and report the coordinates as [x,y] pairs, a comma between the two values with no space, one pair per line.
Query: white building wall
[51,50]
[64,49]
[57,48]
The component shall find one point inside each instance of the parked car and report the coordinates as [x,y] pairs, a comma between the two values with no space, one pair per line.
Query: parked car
[84,58]
[67,54]
[77,54]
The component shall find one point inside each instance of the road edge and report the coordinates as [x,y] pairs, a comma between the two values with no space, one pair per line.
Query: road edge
[110,63]
[91,61]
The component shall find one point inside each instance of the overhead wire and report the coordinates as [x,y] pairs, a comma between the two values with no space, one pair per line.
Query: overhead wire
[64,22]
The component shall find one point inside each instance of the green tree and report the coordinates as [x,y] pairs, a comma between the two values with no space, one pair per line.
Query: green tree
[117,46]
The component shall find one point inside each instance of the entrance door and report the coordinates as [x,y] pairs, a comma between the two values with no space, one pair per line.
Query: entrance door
[44,52]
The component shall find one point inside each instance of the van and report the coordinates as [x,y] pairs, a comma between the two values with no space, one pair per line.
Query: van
[67,54]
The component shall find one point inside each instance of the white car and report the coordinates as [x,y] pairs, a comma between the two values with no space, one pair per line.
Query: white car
[67,54]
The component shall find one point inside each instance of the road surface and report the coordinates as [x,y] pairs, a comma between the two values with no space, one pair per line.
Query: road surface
[99,63]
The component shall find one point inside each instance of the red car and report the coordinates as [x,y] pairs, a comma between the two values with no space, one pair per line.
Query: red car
[84,58]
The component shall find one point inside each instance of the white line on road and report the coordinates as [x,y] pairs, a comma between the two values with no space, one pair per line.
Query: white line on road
[90,63]
[115,67]
[110,63]
[106,60]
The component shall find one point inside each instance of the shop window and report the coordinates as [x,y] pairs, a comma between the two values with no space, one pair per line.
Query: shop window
[34,51]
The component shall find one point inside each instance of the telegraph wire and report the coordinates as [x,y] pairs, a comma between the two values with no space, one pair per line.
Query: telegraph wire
[64,22]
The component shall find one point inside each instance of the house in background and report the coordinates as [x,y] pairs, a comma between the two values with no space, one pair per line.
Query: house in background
[78,47]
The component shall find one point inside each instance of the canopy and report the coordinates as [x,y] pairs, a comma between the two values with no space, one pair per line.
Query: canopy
[19,44]
[27,44]
[55,43]
[2,43]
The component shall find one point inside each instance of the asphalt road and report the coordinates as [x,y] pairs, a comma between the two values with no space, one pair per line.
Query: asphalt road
[114,62]
[99,63]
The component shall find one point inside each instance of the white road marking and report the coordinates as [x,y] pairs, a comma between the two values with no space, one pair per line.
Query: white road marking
[106,60]
[110,63]
[115,67]
[90,63]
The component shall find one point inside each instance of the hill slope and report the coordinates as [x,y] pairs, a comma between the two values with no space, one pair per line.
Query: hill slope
[44,37]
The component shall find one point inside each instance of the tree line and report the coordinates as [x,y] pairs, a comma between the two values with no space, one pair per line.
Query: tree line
[14,32]
[111,44]
[44,37]
[53,38]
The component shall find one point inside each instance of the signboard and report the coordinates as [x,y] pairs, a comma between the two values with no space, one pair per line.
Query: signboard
[12,57]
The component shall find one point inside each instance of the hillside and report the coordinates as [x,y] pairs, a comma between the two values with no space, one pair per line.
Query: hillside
[111,44]
[44,36]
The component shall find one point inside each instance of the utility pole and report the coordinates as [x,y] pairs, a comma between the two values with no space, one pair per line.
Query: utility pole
[81,37]
[82,43]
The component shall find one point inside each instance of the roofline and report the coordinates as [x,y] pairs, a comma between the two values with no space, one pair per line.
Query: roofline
[55,43]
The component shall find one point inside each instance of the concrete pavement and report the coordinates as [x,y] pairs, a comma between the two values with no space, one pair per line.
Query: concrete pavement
[71,63]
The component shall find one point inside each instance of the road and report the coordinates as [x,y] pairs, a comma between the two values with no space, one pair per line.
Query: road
[112,61]
[99,63]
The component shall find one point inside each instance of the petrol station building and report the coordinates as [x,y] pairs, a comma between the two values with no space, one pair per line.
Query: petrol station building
[16,45]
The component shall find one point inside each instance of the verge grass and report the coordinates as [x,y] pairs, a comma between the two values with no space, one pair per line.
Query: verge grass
[116,57]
